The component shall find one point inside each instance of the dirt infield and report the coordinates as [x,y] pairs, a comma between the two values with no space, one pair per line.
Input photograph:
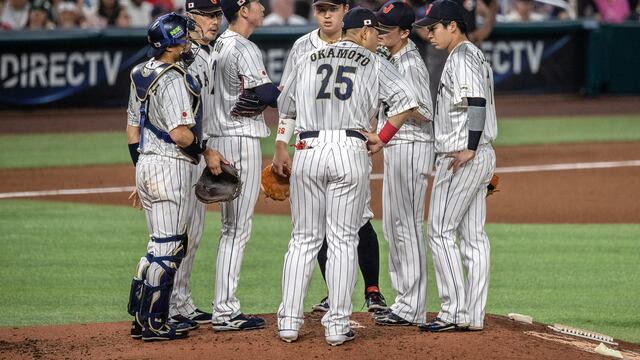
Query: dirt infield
[570,196]
[501,339]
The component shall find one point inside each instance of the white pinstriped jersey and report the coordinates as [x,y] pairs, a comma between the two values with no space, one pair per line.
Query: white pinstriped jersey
[341,87]
[235,64]
[308,42]
[466,74]
[412,67]
[170,105]
[200,70]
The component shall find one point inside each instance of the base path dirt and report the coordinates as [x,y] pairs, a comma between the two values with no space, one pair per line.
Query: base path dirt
[501,339]
[569,196]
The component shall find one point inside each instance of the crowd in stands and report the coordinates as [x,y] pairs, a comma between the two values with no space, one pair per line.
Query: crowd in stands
[97,14]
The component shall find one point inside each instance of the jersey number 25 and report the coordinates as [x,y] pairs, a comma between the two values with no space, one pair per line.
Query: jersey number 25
[343,77]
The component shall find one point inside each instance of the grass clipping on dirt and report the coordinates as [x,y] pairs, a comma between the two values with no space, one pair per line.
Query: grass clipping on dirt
[69,263]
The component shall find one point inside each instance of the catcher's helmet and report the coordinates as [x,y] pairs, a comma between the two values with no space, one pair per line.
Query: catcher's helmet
[168,30]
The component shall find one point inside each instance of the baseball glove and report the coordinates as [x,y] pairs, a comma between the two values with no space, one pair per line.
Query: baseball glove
[218,188]
[273,185]
[493,185]
[248,105]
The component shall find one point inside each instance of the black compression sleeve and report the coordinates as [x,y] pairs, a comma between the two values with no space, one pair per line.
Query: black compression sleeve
[133,152]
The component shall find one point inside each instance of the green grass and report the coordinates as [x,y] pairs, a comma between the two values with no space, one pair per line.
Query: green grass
[70,263]
[38,150]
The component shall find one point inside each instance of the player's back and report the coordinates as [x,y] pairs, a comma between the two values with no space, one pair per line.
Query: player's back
[337,87]
[235,64]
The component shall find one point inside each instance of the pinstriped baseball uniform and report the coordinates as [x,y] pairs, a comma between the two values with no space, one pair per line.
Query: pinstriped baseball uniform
[164,176]
[458,206]
[181,300]
[235,63]
[332,89]
[306,43]
[408,159]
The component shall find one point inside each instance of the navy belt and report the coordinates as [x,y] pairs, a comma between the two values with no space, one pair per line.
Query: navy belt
[315,133]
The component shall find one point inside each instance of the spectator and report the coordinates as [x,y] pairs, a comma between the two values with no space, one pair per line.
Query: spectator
[158,10]
[108,11]
[302,8]
[635,15]
[123,19]
[15,14]
[523,11]
[612,11]
[139,12]
[167,5]
[69,17]
[283,14]
[40,16]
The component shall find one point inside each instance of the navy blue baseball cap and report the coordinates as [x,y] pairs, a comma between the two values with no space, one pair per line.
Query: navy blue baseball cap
[231,7]
[202,6]
[359,17]
[441,10]
[396,13]
[330,2]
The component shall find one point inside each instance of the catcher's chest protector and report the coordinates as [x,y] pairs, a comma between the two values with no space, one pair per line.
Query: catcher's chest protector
[145,79]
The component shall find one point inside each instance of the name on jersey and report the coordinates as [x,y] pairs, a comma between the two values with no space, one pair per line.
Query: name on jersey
[331,52]
[514,56]
[59,69]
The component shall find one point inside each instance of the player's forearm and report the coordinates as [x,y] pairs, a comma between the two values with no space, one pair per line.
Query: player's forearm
[182,136]
[477,112]
[394,124]
[133,134]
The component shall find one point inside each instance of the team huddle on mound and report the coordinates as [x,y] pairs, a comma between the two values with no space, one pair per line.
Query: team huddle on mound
[201,97]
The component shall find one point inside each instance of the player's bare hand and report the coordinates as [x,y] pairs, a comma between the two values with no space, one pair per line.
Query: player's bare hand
[460,158]
[213,158]
[281,160]
[135,198]
[374,144]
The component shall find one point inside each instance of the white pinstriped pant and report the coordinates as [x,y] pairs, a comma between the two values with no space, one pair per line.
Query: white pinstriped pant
[458,208]
[165,190]
[404,191]
[237,217]
[328,194]
[181,300]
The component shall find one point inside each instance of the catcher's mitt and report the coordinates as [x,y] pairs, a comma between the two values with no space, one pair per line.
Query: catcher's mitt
[218,188]
[273,185]
[248,105]
[493,185]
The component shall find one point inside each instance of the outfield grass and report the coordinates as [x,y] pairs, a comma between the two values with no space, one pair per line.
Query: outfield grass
[38,150]
[70,263]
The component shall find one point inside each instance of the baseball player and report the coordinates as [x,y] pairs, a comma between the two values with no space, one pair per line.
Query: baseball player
[329,15]
[235,66]
[207,16]
[330,96]
[408,159]
[164,110]
[465,125]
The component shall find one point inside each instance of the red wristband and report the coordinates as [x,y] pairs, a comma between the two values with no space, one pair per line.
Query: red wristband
[387,132]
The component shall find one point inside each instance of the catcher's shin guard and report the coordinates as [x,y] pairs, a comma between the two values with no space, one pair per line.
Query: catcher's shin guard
[157,288]
[135,295]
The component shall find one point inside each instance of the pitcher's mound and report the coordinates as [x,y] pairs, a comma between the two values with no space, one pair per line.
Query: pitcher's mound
[501,339]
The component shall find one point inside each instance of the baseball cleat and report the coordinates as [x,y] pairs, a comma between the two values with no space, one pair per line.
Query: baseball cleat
[390,319]
[136,330]
[288,336]
[375,301]
[322,306]
[199,316]
[439,325]
[166,332]
[184,322]
[240,322]
[335,340]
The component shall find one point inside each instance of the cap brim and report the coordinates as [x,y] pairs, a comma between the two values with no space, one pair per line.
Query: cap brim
[327,2]
[425,21]
[206,11]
